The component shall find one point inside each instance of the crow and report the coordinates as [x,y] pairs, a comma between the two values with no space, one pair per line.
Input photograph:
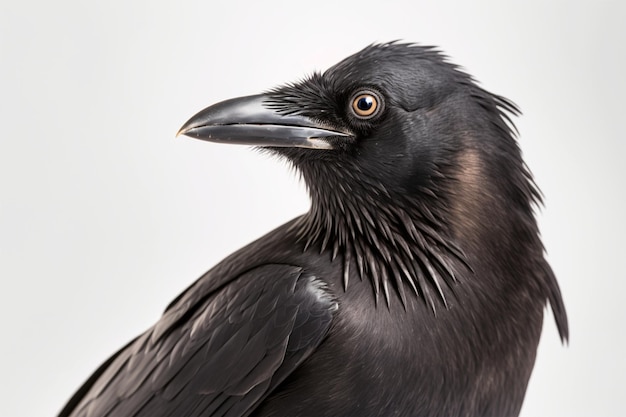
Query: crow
[414,286]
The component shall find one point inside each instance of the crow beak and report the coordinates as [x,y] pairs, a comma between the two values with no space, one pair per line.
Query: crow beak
[249,121]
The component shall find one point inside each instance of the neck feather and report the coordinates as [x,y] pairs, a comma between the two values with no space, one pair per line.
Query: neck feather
[391,240]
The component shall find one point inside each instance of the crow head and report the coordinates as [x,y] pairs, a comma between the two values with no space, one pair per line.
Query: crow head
[413,169]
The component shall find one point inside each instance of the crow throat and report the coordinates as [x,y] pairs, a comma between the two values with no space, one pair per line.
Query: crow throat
[394,240]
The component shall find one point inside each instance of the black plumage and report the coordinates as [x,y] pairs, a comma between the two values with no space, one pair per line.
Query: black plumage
[414,286]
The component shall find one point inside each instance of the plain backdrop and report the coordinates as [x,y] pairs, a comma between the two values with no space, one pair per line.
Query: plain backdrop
[105,216]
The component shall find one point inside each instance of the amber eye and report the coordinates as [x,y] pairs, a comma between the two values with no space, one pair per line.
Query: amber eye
[366,104]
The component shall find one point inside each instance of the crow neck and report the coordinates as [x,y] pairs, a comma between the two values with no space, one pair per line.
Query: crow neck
[399,244]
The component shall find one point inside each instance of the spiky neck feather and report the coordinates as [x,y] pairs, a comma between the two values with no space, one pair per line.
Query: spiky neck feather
[397,241]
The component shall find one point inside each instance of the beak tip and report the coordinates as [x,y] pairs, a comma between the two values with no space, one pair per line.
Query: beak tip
[185,129]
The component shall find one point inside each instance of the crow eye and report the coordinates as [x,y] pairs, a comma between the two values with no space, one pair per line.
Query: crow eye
[366,104]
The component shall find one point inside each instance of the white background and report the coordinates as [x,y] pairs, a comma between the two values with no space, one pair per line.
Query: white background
[105,216]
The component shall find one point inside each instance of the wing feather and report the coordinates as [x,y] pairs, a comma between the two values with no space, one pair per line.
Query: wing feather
[218,357]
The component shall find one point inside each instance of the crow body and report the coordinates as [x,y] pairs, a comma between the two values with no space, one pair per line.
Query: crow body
[415,285]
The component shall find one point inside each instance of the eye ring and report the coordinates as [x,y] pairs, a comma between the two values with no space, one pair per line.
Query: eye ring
[366,104]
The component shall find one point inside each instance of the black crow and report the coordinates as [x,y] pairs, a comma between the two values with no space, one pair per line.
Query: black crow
[414,286]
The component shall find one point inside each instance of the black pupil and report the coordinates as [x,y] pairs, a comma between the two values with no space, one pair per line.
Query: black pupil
[365,103]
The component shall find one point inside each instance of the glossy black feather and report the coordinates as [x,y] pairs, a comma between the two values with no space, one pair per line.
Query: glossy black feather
[234,346]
